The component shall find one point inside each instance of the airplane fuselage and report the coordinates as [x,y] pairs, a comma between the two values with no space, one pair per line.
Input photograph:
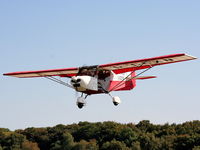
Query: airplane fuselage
[96,85]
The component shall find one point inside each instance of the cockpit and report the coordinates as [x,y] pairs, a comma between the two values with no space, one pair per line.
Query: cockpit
[102,74]
[94,71]
[87,71]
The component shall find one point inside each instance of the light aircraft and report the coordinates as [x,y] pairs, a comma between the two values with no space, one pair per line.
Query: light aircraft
[88,80]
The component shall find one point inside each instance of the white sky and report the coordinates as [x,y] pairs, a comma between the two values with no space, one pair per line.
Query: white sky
[37,35]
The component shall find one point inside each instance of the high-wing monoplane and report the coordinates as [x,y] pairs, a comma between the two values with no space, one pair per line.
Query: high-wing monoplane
[104,78]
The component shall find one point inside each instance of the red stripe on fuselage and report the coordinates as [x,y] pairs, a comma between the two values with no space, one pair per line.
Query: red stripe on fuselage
[122,85]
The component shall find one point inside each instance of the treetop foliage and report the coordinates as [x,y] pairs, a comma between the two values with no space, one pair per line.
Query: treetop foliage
[104,136]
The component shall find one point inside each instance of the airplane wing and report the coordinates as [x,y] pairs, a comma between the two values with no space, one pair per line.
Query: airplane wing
[65,72]
[128,66]
[119,67]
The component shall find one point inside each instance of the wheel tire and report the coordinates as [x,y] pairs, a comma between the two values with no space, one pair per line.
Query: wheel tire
[80,105]
[115,103]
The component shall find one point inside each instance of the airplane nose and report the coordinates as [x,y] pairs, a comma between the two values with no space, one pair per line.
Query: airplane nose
[78,80]
[76,85]
[75,82]
[74,79]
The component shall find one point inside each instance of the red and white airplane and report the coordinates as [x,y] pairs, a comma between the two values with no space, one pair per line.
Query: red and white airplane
[105,78]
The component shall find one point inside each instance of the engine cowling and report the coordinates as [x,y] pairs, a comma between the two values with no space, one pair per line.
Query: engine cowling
[82,83]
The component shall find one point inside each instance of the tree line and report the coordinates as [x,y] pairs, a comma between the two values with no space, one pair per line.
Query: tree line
[104,136]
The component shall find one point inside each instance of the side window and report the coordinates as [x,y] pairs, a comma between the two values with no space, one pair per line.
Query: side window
[102,74]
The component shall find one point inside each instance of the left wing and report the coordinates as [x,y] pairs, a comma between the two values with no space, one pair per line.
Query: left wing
[127,66]
[65,72]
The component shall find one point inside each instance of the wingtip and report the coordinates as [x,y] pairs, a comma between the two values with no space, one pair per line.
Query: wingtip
[193,57]
[8,74]
[5,74]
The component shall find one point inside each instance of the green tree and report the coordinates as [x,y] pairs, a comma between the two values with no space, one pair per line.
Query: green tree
[190,128]
[28,145]
[114,145]
[106,135]
[86,131]
[67,141]
[15,140]
[11,140]
[166,142]
[37,135]
[84,145]
[136,146]
[196,148]
[148,141]
[108,132]
[127,135]
[64,142]
[92,145]
[184,142]
[145,126]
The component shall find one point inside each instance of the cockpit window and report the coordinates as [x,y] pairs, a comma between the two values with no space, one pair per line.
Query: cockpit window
[102,74]
[94,71]
[88,71]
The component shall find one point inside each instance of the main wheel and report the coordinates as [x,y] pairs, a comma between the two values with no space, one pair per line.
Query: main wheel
[116,100]
[80,102]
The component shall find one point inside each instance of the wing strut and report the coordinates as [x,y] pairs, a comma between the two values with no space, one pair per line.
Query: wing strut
[120,83]
[58,81]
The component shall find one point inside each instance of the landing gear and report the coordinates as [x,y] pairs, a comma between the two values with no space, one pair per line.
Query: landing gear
[116,100]
[81,101]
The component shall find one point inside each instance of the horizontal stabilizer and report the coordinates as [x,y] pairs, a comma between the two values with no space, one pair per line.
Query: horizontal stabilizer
[145,77]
